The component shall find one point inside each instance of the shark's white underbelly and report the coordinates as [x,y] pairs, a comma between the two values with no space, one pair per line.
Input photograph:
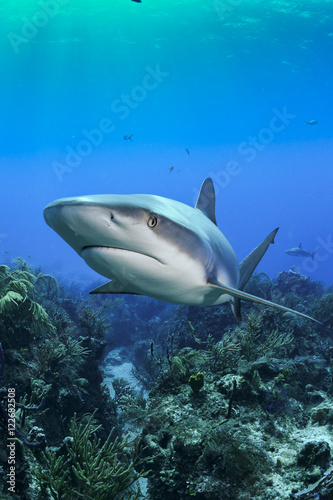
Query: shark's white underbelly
[183,281]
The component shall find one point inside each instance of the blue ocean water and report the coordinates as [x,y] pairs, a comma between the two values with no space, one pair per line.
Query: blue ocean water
[233,82]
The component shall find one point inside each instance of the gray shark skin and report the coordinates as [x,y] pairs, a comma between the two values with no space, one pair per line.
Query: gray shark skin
[162,248]
[299,252]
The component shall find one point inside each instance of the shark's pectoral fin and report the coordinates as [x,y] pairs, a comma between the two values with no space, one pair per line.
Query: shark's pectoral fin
[239,294]
[248,265]
[114,286]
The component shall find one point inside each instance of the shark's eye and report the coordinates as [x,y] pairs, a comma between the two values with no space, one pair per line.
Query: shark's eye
[152,221]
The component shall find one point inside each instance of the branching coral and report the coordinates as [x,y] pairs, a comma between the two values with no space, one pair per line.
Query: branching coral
[50,354]
[17,293]
[75,349]
[254,341]
[93,322]
[235,450]
[225,353]
[55,352]
[56,477]
[100,471]
[177,366]
[134,408]
[122,388]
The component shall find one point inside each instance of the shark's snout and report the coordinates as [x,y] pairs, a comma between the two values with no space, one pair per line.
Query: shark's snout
[50,215]
[58,216]
[66,219]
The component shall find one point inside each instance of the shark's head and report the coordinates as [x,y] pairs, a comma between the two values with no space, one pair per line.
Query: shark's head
[144,243]
[110,221]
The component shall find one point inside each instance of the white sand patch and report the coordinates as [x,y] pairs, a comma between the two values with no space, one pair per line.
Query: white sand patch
[117,365]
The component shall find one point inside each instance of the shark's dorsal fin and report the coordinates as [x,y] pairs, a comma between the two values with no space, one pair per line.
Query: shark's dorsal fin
[206,199]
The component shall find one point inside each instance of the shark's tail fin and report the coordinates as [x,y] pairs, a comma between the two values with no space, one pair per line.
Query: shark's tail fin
[246,268]
[314,253]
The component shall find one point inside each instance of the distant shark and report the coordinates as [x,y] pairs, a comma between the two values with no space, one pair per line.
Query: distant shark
[154,246]
[299,252]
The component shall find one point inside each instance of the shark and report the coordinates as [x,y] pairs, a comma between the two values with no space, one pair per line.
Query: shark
[300,252]
[159,247]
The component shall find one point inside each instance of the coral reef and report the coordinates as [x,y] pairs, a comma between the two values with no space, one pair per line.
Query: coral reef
[227,410]
[52,345]
[260,427]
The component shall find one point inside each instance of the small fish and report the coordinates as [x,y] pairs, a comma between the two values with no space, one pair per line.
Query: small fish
[170,170]
[137,1]
[6,251]
[187,152]
[311,122]
[299,252]
[128,137]
[29,256]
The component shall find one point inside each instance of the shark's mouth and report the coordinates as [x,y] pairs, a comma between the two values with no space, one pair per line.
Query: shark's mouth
[117,249]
